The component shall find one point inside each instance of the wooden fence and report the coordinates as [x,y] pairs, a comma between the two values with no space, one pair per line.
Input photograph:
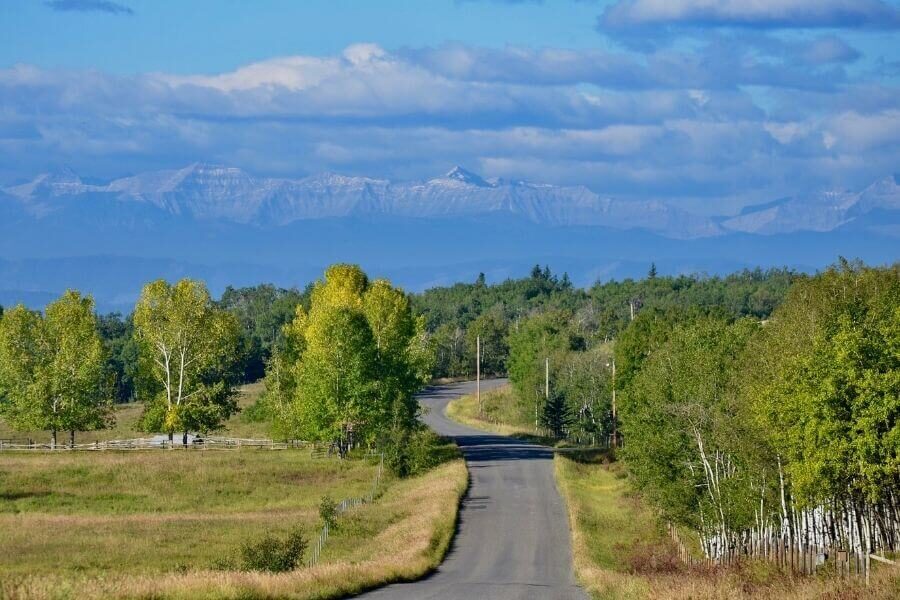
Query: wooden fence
[343,506]
[207,443]
[801,559]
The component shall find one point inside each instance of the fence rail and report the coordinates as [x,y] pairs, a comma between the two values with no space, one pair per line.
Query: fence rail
[207,443]
[802,559]
[343,506]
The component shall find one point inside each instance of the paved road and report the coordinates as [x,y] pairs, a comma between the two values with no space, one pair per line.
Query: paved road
[513,540]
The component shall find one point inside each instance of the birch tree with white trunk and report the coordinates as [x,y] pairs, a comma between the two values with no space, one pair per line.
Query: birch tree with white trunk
[189,349]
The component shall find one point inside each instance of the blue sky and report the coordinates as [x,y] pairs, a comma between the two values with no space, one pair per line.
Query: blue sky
[710,103]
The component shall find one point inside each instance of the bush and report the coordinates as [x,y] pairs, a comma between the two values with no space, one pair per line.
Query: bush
[412,452]
[328,511]
[258,412]
[273,554]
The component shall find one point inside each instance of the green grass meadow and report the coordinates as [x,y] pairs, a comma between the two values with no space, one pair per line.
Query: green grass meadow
[127,416]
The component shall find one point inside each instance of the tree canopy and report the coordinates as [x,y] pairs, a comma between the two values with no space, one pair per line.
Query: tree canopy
[188,350]
[349,367]
[52,368]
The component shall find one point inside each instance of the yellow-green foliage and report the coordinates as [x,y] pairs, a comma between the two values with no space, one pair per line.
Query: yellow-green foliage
[188,350]
[52,367]
[351,364]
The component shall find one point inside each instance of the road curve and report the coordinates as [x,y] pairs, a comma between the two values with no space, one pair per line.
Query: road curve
[513,539]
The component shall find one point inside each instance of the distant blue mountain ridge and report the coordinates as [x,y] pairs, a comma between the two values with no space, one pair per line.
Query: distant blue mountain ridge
[229,227]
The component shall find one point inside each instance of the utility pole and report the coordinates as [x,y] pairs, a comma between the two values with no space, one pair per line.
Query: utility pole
[615,426]
[478,374]
[537,420]
[546,379]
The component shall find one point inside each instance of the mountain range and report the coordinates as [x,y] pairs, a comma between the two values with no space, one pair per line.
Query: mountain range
[229,226]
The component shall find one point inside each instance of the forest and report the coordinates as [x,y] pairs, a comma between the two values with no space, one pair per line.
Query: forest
[758,406]
[765,424]
[786,429]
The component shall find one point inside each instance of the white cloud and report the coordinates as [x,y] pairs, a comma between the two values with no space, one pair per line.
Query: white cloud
[854,132]
[683,124]
[293,73]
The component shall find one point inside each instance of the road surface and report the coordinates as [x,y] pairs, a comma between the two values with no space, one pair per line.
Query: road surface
[513,539]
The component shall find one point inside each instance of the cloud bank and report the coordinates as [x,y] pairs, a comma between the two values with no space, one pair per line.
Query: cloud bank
[735,118]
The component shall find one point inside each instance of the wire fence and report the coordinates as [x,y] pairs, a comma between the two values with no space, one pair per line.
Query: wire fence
[343,506]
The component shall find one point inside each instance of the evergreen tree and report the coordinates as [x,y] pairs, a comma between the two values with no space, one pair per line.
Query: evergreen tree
[556,415]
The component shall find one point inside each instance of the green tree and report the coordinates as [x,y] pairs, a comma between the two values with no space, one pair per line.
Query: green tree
[349,368]
[556,415]
[188,348]
[261,311]
[448,344]
[122,354]
[535,340]
[585,380]
[684,442]
[492,327]
[52,368]
[824,380]
[404,358]
[336,395]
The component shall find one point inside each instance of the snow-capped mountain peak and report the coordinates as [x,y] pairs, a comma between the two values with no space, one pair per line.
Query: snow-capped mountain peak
[218,192]
[56,183]
[461,175]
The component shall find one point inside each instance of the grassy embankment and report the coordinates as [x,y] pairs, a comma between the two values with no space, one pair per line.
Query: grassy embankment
[502,414]
[620,548]
[155,523]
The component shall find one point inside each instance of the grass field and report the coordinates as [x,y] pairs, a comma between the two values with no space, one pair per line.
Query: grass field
[155,523]
[159,510]
[127,416]
[621,551]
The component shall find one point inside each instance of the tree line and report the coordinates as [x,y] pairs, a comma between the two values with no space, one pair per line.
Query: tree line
[56,373]
[456,316]
[182,353]
[344,362]
[783,430]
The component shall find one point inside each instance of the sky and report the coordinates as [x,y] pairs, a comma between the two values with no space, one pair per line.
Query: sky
[711,104]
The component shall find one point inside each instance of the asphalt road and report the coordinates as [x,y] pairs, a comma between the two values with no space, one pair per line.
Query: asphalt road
[513,539]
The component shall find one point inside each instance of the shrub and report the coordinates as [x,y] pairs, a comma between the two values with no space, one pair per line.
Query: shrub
[328,511]
[273,554]
[409,453]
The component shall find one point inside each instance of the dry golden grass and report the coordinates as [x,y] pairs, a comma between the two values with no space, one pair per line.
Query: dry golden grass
[409,531]
[620,551]
[87,513]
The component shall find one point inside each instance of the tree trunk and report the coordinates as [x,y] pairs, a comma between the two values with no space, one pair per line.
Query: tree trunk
[184,439]
[53,439]
[171,439]
[71,438]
